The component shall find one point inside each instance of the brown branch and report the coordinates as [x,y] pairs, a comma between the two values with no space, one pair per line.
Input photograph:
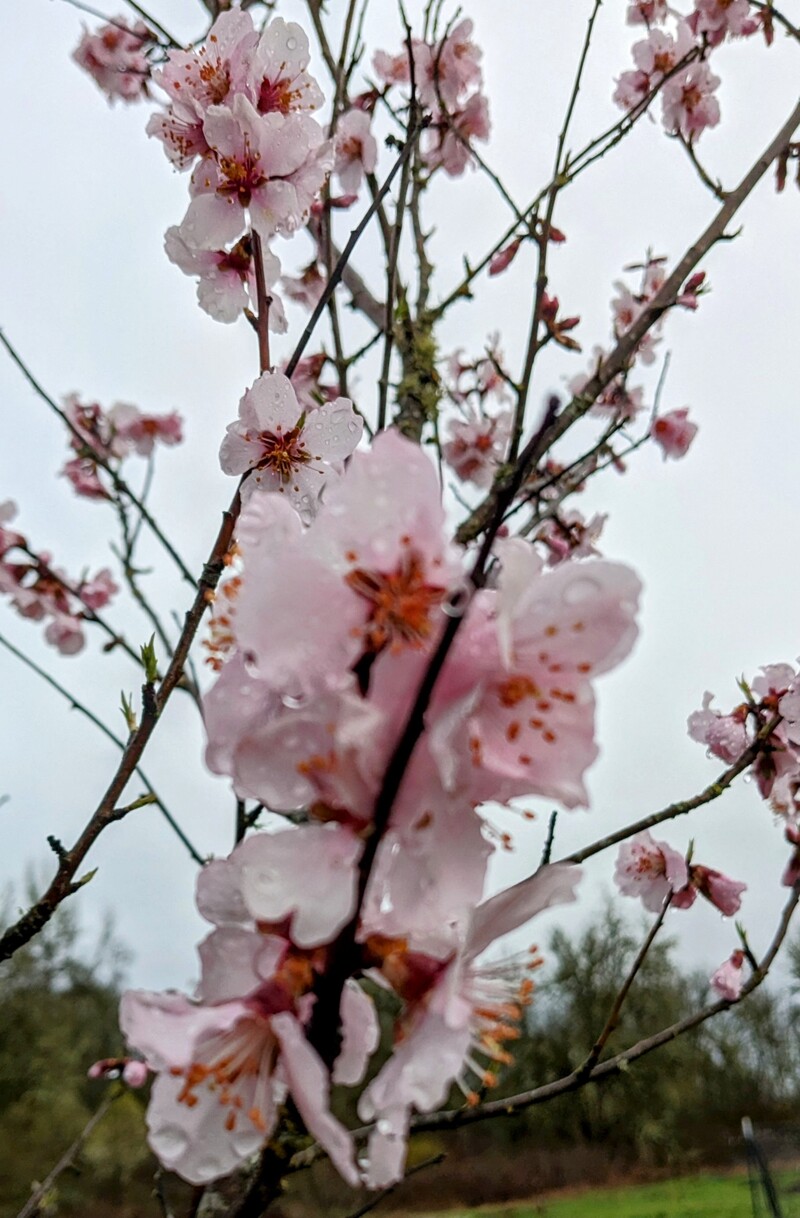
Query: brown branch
[681,807]
[625,348]
[588,1065]
[264,301]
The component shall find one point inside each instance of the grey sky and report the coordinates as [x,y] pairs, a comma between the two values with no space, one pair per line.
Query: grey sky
[93,305]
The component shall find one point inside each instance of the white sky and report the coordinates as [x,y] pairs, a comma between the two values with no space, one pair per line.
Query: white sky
[93,305]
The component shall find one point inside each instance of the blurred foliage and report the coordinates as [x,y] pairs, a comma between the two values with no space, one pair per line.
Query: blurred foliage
[58,1014]
[675,1109]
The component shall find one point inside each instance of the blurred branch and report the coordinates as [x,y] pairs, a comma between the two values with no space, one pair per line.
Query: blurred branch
[31,1208]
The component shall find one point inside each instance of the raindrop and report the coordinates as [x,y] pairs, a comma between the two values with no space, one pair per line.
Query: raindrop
[171,1141]
[457,601]
[581,589]
[293,701]
[385,1127]
[291,44]
[352,426]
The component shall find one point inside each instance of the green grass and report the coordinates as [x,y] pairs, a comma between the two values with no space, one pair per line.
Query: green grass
[703,1196]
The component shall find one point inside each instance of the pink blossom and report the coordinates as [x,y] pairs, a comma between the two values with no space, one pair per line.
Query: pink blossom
[134,430]
[647,12]
[446,142]
[532,730]
[270,165]
[724,735]
[457,1014]
[660,53]
[717,19]
[371,573]
[132,1071]
[617,400]
[477,446]
[649,870]
[445,72]
[226,1061]
[569,535]
[82,472]
[227,278]
[723,892]
[689,106]
[98,591]
[214,72]
[632,89]
[115,57]
[391,69]
[728,979]
[356,150]
[673,432]
[278,73]
[307,288]
[65,632]
[8,537]
[287,451]
[504,257]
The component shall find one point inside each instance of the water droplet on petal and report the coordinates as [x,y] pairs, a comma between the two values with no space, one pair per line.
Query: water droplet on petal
[457,600]
[293,701]
[291,44]
[581,589]
[384,1127]
[170,1141]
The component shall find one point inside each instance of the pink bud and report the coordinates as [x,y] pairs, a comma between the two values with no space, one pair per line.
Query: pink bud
[504,258]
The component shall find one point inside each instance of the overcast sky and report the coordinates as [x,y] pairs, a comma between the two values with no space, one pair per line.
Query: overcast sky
[92,303]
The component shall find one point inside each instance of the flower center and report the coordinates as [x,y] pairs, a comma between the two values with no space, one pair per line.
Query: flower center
[283,453]
[242,176]
[401,603]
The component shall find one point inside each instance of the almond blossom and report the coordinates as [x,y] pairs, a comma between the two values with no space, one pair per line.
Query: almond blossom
[728,978]
[455,1014]
[271,166]
[717,19]
[226,1061]
[355,150]
[116,58]
[477,445]
[650,870]
[227,279]
[446,71]
[446,142]
[673,432]
[647,12]
[689,107]
[288,449]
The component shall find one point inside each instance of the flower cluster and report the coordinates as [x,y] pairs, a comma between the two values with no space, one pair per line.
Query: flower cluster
[238,115]
[41,592]
[447,81]
[653,871]
[478,437]
[101,438]
[330,630]
[771,714]
[116,58]
[676,63]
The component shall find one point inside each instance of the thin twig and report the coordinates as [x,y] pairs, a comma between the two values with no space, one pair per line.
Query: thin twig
[593,1057]
[84,710]
[118,482]
[453,1118]
[352,241]
[264,301]
[31,1207]
[681,807]
[625,348]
